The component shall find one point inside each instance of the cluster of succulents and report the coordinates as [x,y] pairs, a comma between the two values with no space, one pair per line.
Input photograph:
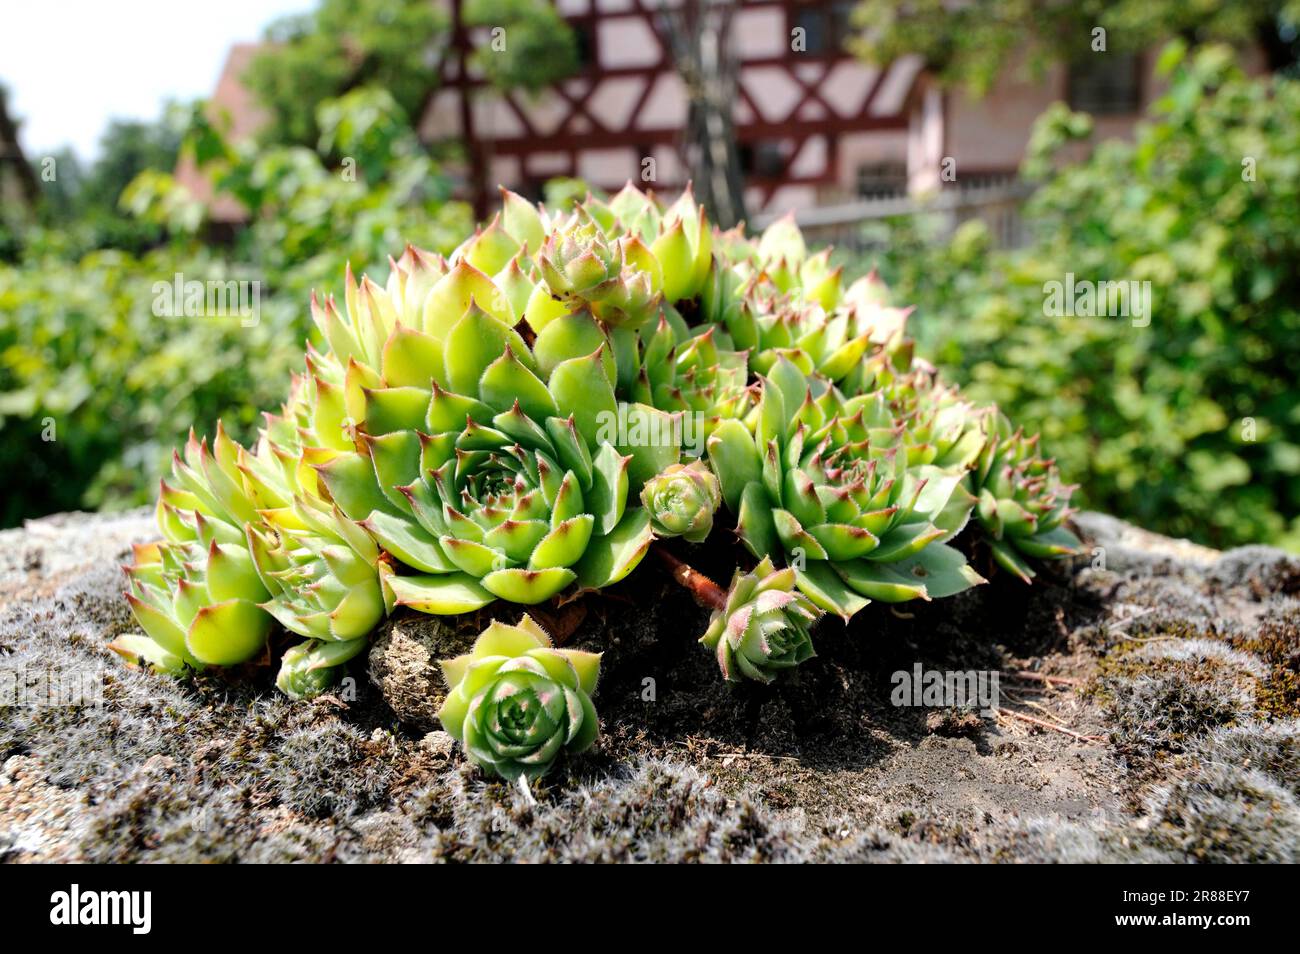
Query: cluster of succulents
[521,421]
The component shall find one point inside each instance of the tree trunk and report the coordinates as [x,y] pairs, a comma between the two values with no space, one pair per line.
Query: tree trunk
[698,33]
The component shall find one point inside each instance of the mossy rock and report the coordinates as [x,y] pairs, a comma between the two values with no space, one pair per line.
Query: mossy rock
[821,767]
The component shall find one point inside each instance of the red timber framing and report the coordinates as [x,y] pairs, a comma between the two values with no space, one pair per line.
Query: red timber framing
[795,105]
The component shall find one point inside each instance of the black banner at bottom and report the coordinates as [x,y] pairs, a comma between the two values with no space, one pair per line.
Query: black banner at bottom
[136,905]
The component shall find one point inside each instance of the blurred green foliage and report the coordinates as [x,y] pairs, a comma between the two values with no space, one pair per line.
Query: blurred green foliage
[342,45]
[973,43]
[79,212]
[1190,426]
[368,190]
[529,44]
[96,389]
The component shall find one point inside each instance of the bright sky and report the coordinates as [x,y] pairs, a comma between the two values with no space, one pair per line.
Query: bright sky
[71,65]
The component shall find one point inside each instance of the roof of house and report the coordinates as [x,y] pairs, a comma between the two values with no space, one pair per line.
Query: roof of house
[235,111]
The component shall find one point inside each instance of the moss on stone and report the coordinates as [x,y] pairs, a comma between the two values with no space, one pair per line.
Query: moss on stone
[820,767]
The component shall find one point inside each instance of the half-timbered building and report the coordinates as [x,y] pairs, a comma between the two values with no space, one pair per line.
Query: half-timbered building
[814,125]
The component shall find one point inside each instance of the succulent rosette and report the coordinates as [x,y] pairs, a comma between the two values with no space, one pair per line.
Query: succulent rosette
[938,425]
[196,593]
[314,666]
[851,344]
[578,259]
[198,607]
[681,501]
[622,259]
[516,702]
[689,374]
[815,342]
[827,482]
[619,279]
[486,489]
[678,238]
[1022,504]
[764,627]
[778,301]
[890,351]
[321,570]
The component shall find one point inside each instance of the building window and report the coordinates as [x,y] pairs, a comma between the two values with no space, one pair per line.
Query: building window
[882,180]
[826,26]
[813,23]
[1106,84]
[585,39]
[764,159]
[841,16]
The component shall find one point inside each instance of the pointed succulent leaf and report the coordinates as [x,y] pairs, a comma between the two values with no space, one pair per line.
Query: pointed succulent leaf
[651,438]
[820,583]
[522,221]
[583,388]
[735,460]
[507,380]
[755,521]
[611,557]
[1055,543]
[524,585]
[228,633]
[473,344]
[574,335]
[942,569]
[443,595]
[607,499]
[886,582]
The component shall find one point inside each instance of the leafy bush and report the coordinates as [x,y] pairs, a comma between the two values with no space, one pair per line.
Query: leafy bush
[1190,425]
[369,187]
[342,45]
[534,47]
[95,389]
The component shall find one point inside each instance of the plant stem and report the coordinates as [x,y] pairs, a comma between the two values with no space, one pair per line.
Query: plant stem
[1039,677]
[1047,725]
[707,593]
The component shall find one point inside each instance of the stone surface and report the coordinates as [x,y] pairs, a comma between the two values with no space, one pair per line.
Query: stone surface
[1175,703]
[43,553]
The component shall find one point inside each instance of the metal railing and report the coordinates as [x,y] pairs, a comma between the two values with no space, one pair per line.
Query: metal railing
[998,204]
